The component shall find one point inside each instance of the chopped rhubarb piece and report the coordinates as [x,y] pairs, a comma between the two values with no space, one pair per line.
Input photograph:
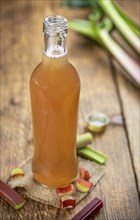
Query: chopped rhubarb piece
[68,190]
[89,210]
[83,185]
[11,196]
[84,139]
[67,201]
[92,154]
[16,172]
[84,174]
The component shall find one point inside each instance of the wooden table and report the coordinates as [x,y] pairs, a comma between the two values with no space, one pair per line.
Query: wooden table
[104,89]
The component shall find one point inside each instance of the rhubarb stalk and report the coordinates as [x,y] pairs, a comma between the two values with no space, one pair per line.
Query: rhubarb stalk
[101,34]
[129,21]
[121,56]
[120,23]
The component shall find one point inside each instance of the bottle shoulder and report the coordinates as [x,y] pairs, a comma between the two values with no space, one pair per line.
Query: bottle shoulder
[74,70]
[36,69]
[50,75]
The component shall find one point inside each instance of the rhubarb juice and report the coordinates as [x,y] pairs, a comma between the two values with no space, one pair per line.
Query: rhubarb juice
[55,88]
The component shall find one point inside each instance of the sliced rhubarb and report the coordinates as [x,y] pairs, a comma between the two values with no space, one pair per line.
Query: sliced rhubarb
[84,139]
[17,172]
[83,185]
[67,201]
[68,190]
[84,174]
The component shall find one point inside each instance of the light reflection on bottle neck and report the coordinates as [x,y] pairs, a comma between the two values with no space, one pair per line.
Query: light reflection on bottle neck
[55,30]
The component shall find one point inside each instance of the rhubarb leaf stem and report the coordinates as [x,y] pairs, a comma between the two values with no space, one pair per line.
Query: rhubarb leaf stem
[84,27]
[120,23]
[132,67]
[135,27]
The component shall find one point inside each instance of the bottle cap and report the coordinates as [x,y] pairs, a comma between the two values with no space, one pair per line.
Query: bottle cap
[96,122]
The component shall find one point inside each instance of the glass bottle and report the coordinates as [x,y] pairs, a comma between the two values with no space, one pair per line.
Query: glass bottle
[55,89]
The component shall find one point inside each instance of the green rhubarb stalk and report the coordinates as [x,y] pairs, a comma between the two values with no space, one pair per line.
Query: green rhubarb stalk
[121,56]
[95,5]
[101,35]
[92,154]
[120,23]
[84,139]
[135,27]
[84,27]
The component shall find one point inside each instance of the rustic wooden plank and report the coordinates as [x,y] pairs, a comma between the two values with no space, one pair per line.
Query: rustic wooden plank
[21,50]
[118,191]
[130,99]
[131,107]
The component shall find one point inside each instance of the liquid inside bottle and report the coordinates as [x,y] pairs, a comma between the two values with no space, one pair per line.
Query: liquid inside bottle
[55,88]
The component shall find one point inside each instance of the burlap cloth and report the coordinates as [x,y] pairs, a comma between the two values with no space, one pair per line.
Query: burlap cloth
[42,194]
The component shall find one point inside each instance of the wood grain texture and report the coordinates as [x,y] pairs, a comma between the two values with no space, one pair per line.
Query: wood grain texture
[130,100]
[21,50]
[130,97]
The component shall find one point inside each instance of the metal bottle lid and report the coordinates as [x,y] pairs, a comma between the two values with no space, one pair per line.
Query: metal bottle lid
[97,122]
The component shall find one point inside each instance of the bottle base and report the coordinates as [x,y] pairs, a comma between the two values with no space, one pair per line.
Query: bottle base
[53,186]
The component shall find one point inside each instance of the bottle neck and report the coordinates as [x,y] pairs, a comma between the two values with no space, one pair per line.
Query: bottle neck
[55,45]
